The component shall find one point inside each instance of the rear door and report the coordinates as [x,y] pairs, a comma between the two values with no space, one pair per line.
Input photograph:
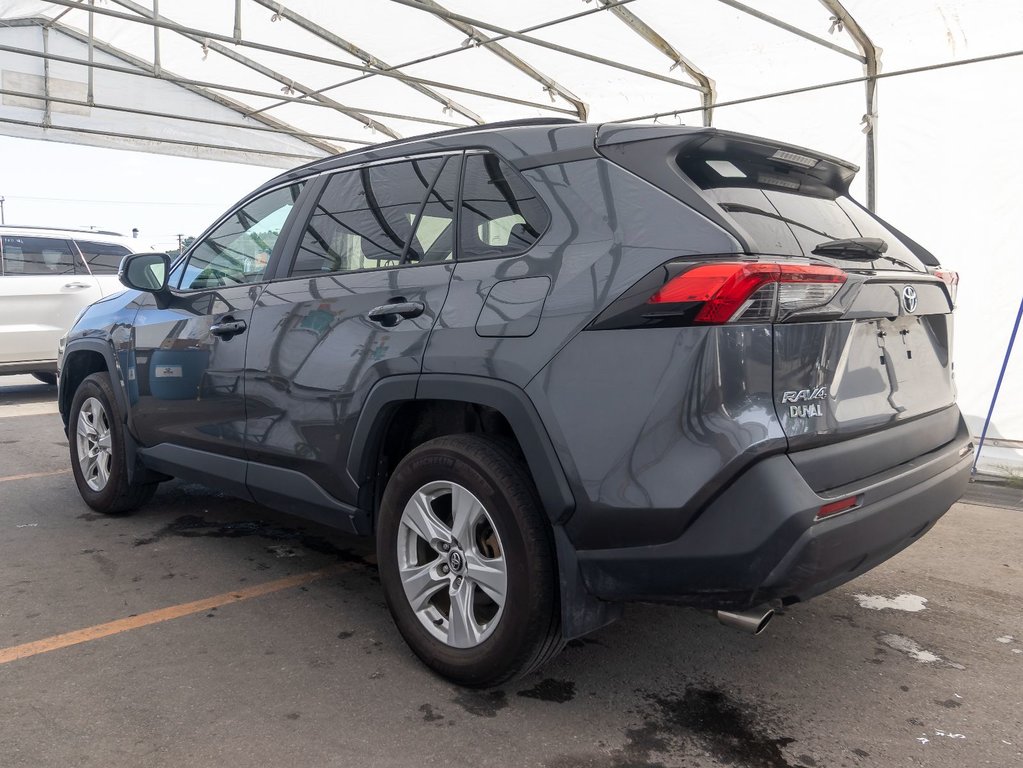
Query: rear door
[369,276]
[44,287]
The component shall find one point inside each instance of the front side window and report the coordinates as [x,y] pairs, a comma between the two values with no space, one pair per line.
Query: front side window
[102,258]
[238,250]
[381,216]
[501,214]
[37,256]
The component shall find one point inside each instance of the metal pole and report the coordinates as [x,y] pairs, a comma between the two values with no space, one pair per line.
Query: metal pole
[998,386]
[2,219]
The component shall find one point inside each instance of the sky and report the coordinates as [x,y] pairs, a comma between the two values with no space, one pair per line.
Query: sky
[47,183]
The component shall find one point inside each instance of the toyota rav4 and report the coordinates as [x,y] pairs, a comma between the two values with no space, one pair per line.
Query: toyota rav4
[552,367]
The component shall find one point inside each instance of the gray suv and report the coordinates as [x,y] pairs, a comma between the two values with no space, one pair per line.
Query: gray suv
[552,367]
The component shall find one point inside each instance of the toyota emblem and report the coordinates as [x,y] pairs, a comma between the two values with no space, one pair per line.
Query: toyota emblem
[909,299]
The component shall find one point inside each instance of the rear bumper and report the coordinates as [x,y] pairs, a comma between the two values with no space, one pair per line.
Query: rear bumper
[758,540]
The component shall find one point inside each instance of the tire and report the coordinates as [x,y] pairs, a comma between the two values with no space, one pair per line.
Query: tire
[98,455]
[47,378]
[463,626]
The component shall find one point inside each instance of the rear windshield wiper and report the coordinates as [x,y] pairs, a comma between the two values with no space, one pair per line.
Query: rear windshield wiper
[859,249]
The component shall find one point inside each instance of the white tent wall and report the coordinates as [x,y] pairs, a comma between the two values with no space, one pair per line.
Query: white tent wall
[949,174]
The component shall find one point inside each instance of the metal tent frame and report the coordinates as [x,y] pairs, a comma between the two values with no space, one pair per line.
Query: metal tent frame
[479,33]
[254,105]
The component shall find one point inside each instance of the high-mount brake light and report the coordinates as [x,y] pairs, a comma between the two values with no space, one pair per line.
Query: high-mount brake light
[751,291]
[951,281]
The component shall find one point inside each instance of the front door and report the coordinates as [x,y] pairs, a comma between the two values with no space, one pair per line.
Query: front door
[185,370]
[369,275]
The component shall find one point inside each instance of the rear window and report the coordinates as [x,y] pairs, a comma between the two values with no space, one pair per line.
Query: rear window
[787,202]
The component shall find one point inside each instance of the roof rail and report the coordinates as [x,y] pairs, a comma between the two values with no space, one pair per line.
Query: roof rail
[64,229]
[520,123]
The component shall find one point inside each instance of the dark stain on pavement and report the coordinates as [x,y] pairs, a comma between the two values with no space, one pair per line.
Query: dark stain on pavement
[948,703]
[704,720]
[557,691]
[481,703]
[195,526]
[429,715]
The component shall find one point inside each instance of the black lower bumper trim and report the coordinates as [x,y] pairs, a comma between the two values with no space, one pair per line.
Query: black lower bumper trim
[758,541]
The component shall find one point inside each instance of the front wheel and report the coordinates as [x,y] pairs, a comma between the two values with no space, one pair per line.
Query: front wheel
[466,561]
[98,454]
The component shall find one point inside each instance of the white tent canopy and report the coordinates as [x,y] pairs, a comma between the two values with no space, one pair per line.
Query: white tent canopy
[925,92]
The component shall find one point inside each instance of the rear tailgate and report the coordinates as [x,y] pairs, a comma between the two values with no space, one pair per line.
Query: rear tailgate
[879,367]
[872,370]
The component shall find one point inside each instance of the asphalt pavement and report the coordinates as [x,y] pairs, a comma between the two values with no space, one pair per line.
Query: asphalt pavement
[207,631]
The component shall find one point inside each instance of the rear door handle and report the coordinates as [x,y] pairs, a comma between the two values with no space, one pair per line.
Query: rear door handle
[391,314]
[77,285]
[228,327]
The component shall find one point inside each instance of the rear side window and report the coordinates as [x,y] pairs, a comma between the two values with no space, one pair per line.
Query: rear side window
[501,214]
[102,258]
[381,216]
[38,256]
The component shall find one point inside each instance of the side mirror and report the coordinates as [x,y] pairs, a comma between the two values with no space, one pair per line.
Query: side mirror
[145,272]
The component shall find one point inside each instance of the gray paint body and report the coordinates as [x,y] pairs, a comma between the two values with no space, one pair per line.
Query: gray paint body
[641,442]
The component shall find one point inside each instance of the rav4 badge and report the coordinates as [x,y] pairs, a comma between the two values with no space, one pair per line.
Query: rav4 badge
[805,397]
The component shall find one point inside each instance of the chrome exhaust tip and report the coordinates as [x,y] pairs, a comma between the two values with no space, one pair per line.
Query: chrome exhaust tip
[754,621]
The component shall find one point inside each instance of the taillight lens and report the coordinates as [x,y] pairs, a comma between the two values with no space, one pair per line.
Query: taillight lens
[951,281]
[750,291]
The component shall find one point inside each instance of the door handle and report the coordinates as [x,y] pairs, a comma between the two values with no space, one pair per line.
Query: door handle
[77,285]
[228,327]
[390,315]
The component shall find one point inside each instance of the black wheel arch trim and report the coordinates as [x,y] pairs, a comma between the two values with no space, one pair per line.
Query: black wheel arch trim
[64,396]
[509,400]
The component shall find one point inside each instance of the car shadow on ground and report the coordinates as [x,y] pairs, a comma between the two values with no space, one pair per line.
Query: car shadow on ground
[19,390]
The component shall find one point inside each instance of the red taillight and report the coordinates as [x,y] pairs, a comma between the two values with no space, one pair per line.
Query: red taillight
[834,507]
[727,289]
[951,281]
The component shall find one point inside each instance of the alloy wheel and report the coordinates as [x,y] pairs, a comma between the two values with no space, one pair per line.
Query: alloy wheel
[452,564]
[95,454]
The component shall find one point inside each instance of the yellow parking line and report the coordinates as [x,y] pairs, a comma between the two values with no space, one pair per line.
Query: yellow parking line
[29,476]
[118,626]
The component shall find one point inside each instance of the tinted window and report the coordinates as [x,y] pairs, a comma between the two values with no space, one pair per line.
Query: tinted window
[238,250]
[102,258]
[501,215]
[37,256]
[375,217]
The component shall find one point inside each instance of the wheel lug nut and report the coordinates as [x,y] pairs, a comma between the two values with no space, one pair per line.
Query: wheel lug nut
[444,568]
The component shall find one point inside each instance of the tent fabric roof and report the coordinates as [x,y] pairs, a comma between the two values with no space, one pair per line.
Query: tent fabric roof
[299,79]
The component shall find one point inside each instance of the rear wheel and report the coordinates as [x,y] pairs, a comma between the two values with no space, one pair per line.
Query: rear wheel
[467,562]
[46,378]
[98,454]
